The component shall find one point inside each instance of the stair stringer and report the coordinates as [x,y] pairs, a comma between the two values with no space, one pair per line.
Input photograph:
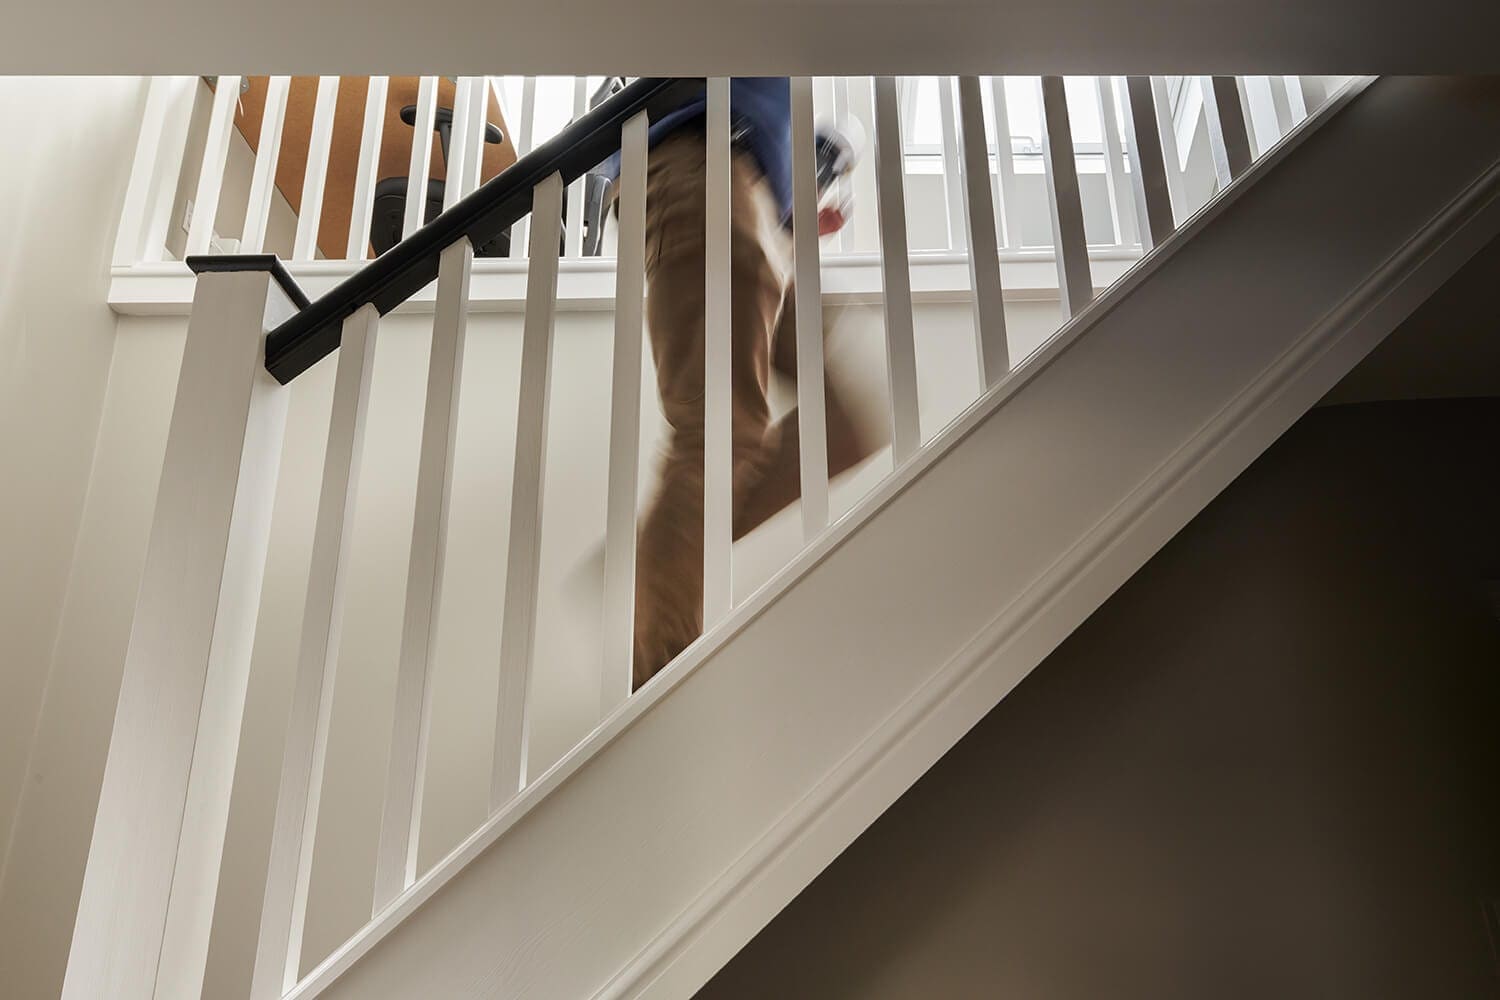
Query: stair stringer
[646,858]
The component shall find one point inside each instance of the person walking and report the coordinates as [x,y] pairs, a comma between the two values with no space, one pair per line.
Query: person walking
[669,562]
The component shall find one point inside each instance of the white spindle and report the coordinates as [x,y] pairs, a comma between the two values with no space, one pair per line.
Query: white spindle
[420,168]
[574,234]
[470,170]
[1228,133]
[1281,105]
[812,423]
[1260,113]
[396,856]
[841,113]
[1074,280]
[263,178]
[148,891]
[1121,209]
[147,208]
[211,172]
[278,953]
[984,254]
[1296,99]
[314,178]
[953,185]
[895,273]
[524,555]
[1148,170]
[625,421]
[458,144]
[718,443]
[1314,92]
[522,137]
[1171,154]
[1007,220]
[362,214]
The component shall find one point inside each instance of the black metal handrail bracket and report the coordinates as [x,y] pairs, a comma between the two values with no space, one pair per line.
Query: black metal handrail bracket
[409,266]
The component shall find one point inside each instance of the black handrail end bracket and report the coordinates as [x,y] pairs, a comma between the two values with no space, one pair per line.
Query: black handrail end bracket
[219,263]
[499,203]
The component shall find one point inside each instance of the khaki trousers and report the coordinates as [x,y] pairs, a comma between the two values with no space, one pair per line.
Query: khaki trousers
[766,476]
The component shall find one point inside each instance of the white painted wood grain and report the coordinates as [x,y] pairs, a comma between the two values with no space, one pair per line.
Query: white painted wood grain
[420,167]
[523,134]
[574,233]
[1150,191]
[990,341]
[1073,277]
[152,873]
[1228,131]
[263,177]
[895,273]
[396,855]
[211,171]
[718,484]
[1007,221]
[278,955]
[812,418]
[362,214]
[1121,207]
[315,176]
[953,185]
[153,174]
[618,631]
[524,552]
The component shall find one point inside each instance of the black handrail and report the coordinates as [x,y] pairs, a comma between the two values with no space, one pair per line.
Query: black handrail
[409,266]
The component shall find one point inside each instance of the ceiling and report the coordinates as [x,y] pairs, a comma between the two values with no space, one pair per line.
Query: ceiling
[696,37]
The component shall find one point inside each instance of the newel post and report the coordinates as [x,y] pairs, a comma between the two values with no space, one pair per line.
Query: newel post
[148,889]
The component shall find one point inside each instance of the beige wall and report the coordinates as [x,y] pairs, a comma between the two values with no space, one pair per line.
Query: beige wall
[1266,767]
[69,145]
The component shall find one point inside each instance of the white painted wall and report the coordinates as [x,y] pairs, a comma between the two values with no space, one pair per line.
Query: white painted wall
[69,143]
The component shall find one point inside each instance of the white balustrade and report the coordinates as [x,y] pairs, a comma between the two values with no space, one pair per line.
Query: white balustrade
[524,552]
[148,893]
[396,857]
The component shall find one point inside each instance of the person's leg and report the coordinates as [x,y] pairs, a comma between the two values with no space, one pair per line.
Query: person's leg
[669,562]
[780,481]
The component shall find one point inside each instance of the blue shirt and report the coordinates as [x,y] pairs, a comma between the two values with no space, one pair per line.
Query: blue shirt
[760,119]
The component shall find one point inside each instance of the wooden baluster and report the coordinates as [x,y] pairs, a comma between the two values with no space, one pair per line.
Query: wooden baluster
[1228,133]
[842,239]
[458,144]
[718,446]
[362,215]
[1148,170]
[524,554]
[625,422]
[1171,154]
[574,233]
[211,172]
[147,209]
[396,857]
[1007,219]
[420,168]
[812,426]
[314,178]
[895,273]
[148,891]
[1296,99]
[263,178]
[1074,281]
[953,184]
[1121,208]
[472,166]
[984,255]
[278,954]
[523,139]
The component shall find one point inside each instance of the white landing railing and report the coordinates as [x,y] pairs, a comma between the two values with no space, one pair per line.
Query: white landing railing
[1034,215]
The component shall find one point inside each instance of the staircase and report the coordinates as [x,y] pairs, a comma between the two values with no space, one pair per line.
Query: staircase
[699,806]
